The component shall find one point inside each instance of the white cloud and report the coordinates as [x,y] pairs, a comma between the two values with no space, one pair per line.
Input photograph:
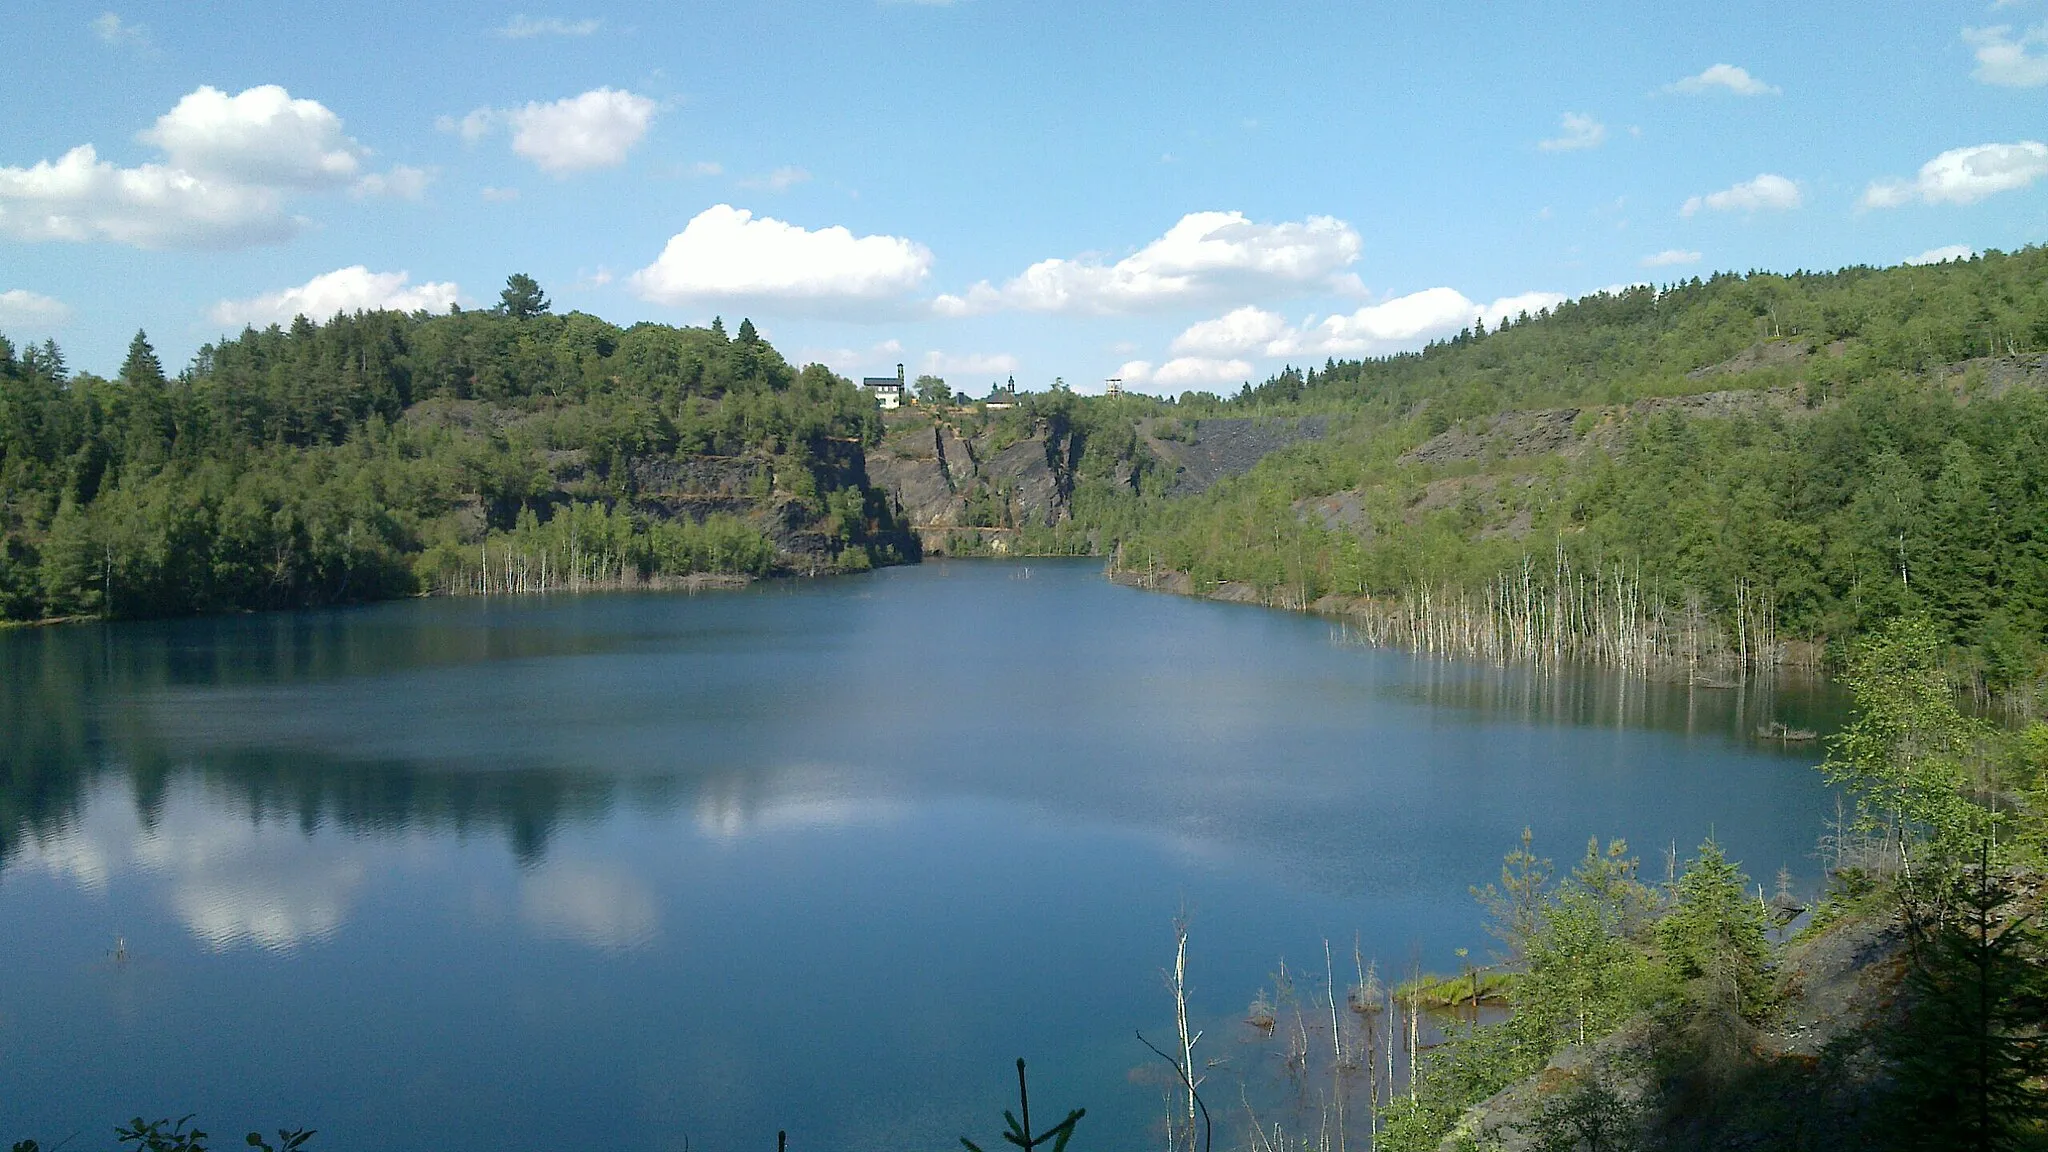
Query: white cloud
[23,309]
[1943,254]
[1186,371]
[1579,131]
[706,168]
[111,29]
[350,289]
[81,197]
[1399,324]
[727,253]
[229,164]
[499,195]
[525,28]
[970,364]
[1964,175]
[1233,332]
[258,136]
[1726,77]
[1406,322]
[574,134]
[2007,60]
[404,182]
[780,180]
[594,130]
[1767,191]
[1204,256]
[1670,258]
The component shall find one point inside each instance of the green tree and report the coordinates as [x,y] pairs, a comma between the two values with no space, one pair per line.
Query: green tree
[1714,936]
[1904,755]
[933,390]
[141,367]
[1968,1058]
[522,298]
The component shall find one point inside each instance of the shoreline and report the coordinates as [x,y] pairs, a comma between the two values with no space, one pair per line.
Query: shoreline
[1454,629]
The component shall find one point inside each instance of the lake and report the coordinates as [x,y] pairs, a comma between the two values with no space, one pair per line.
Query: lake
[634,870]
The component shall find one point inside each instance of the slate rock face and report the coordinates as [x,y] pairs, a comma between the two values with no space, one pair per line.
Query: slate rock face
[1224,448]
[1038,492]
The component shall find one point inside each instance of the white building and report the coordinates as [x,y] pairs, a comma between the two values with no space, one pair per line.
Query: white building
[888,390]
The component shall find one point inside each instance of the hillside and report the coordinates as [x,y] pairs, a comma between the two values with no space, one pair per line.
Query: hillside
[385,454]
[1745,470]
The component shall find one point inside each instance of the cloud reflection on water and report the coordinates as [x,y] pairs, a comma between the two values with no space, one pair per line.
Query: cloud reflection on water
[585,902]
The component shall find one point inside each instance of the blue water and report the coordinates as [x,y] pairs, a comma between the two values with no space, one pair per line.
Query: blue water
[626,870]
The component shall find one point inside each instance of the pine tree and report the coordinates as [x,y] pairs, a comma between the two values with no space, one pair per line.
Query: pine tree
[142,366]
[1968,1058]
[522,298]
[747,334]
[1715,937]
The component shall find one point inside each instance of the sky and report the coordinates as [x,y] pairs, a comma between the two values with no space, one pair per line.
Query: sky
[1180,195]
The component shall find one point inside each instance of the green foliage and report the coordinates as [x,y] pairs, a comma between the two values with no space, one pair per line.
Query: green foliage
[1910,757]
[381,454]
[1877,480]
[1714,936]
[522,298]
[1967,1060]
[1587,1115]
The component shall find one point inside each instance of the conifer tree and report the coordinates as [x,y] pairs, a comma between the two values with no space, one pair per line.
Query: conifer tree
[142,366]
[522,298]
[1968,1058]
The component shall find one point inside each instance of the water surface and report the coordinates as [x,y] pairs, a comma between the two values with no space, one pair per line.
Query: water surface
[614,871]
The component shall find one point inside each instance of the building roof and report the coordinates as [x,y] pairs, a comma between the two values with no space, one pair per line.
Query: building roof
[881,382]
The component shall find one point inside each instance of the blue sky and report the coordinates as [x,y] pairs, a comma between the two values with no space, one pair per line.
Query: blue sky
[1188,195]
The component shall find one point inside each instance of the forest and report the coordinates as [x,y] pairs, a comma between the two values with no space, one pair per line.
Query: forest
[383,454]
[1752,468]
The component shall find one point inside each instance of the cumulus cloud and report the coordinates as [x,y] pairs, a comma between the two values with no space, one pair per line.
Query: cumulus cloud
[1726,78]
[81,197]
[1578,131]
[351,289]
[1767,192]
[575,134]
[1670,258]
[1236,331]
[229,164]
[727,253]
[1943,254]
[780,180]
[111,29]
[525,28]
[2007,60]
[258,136]
[1204,256]
[23,309]
[1964,175]
[1214,350]
[1187,371]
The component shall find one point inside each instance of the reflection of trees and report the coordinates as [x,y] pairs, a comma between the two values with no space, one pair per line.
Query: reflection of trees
[60,735]
[1599,697]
